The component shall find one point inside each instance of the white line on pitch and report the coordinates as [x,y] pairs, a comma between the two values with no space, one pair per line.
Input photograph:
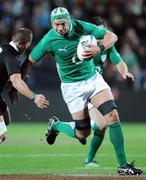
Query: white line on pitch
[65,155]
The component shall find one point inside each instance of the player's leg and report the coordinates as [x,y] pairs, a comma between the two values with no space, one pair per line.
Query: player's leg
[106,105]
[56,126]
[77,105]
[5,111]
[82,123]
[7,117]
[98,135]
[3,129]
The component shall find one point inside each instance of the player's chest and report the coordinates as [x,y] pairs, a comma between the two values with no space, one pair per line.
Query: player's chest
[65,48]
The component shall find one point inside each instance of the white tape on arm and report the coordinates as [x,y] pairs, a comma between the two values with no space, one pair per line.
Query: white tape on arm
[3,127]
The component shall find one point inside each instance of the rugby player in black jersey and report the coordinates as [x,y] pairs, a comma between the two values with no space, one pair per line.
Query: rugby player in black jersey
[10,71]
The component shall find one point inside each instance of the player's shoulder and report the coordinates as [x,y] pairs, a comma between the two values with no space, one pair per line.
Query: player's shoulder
[5,48]
[87,25]
[84,23]
[49,36]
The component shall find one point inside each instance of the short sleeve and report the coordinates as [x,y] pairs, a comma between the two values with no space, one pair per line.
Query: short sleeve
[114,55]
[12,65]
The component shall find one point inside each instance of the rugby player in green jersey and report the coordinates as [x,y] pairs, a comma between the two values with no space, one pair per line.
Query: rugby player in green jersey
[98,130]
[81,83]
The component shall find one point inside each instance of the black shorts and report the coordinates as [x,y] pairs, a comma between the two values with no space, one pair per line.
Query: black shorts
[3,106]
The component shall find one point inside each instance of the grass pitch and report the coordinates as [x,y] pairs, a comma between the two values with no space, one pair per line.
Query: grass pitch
[26,151]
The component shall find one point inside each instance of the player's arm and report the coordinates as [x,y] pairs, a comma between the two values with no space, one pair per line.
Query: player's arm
[22,87]
[120,64]
[25,69]
[108,37]
[37,53]
[123,70]
[108,40]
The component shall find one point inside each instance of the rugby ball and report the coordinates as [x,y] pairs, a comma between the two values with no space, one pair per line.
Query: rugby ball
[83,45]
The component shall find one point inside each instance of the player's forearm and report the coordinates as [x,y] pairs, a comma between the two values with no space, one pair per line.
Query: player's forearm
[109,40]
[21,86]
[122,67]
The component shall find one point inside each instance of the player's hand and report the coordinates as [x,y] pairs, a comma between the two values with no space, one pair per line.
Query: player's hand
[91,51]
[41,101]
[128,76]
[14,96]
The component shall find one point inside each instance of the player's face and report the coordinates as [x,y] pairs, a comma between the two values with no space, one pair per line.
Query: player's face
[61,26]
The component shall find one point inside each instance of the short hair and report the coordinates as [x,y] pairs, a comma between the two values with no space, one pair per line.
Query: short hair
[23,36]
[98,20]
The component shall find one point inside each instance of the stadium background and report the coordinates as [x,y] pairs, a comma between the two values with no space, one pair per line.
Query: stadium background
[127,20]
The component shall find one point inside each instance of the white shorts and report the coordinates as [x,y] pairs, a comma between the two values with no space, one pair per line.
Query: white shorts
[77,94]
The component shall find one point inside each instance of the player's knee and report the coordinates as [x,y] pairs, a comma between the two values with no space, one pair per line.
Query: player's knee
[109,110]
[100,127]
[3,137]
[83,128]
[100,132]
[113,116]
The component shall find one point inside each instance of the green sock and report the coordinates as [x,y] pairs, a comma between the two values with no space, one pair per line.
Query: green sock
[66,128]
[94,146]
[95,143]
[116,137]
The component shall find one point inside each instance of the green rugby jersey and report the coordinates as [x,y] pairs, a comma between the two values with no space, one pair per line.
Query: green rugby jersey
[113,55]
[64,51]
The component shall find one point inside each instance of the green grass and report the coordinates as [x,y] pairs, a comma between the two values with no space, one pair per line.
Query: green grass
[26,151]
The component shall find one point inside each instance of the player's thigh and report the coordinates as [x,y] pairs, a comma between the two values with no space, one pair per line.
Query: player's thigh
[101,97]
[98,118]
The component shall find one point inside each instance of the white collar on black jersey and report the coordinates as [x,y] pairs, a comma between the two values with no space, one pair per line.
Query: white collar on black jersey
[14,46]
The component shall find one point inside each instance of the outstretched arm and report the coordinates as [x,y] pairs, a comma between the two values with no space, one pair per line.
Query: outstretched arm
[25,69]
[22,87]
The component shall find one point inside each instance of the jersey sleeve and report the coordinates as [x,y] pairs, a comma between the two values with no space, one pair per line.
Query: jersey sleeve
[40,50]
[114,55]
[12,65]
[96,31]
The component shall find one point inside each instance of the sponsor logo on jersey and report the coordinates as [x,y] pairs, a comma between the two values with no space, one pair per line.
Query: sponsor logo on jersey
[62,49]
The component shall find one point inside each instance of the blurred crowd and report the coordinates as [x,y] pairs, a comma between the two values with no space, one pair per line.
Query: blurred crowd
[127,18]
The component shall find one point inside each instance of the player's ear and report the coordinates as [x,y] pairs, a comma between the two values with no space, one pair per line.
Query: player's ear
[28,45]
[13,38]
